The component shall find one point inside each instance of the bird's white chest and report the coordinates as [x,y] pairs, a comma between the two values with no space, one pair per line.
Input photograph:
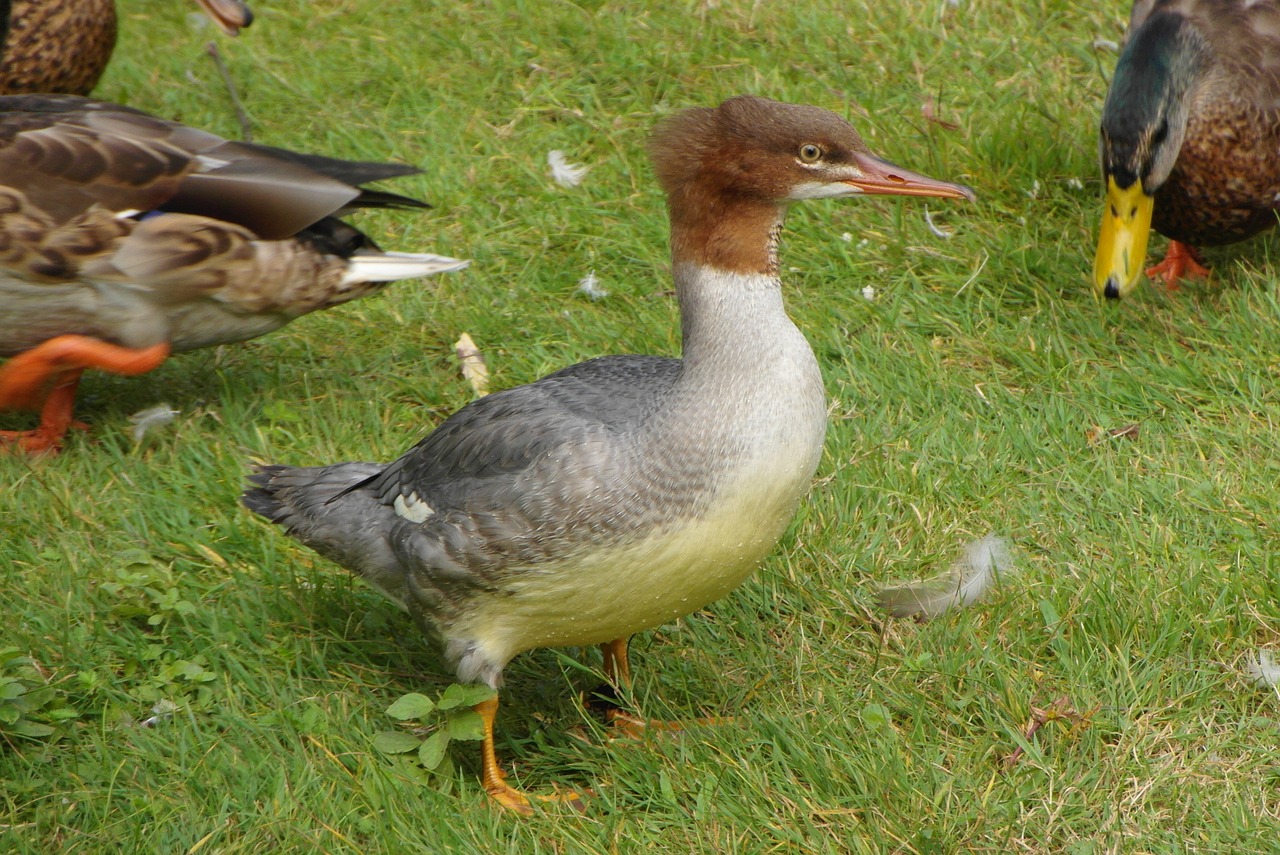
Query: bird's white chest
[757,426]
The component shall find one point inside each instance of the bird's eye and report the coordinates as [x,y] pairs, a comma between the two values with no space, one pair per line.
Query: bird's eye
[810,153]
[1158,138]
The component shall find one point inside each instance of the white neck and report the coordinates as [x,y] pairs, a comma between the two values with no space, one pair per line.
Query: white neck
[747,371]
[734,318]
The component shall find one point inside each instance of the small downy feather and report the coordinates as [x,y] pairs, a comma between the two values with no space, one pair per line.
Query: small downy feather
[564,173]
[967,581]
[392,266]
[589,286]
[163,710]
[152,417]
[1263,669]
[945,234]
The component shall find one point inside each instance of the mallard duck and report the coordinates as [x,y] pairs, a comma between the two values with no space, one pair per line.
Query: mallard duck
[624,492]
[1190,137]
[64,45]
[124,237]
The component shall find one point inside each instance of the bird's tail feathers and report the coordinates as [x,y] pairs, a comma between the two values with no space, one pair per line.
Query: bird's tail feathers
[311,504]
[392,266]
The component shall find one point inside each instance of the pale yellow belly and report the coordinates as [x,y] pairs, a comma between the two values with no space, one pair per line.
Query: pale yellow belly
[622,590]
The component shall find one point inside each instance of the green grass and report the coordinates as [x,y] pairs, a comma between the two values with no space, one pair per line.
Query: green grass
[963,398]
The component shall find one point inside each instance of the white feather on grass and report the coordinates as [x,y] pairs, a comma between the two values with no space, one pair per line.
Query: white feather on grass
[566,174]
[163,710]
[589,285]
[967,581]
[1263,669]
[152,417]
[946,234]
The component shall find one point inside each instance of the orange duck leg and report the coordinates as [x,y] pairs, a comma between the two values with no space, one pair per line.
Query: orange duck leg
[495,780]
[1181,260]
[617,670]
[45,378]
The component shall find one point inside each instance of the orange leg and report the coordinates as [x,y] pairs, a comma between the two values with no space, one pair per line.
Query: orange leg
[46,377]
[617,670]
[495,780]
[55,421]
[1181,260]
[617,665]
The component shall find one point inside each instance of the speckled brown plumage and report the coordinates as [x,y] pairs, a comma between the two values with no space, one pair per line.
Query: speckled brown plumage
[1190,135]
[1224,185]
[56,45]
[123,229]
[63,46]
[217,260]
[1225,56]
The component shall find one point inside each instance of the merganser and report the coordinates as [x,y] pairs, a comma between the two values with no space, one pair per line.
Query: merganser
[1190,135]
[64,45]
[124,237]
[627,491]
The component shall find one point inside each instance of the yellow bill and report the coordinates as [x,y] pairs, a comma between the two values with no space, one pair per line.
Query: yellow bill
[1122,242]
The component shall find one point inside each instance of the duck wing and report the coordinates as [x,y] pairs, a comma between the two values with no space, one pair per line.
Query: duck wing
[1243,38]
[536,440]
[65,154]
[122,226]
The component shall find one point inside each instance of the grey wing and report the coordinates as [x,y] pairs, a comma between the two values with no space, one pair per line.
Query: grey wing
[508,476]
[497,437]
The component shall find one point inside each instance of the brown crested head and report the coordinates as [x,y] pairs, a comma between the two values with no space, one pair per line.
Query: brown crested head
[749,145]
[729,171]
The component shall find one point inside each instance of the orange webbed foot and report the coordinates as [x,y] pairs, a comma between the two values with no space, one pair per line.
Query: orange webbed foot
[522,803]
[25,379]
[33,442]
[1181,261]
[617,670]
[628,726]
[55,421]
[495,780]
[46,378]
[45,439]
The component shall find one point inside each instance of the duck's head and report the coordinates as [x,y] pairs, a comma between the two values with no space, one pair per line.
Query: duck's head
[1144,122]
[231,16]
[732,168]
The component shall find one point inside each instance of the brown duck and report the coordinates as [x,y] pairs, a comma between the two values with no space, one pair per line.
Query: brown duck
[64,45]
[1190,138]
[124,237]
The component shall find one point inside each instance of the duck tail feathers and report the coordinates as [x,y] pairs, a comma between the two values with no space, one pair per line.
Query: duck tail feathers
[317,506]
[392,266]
